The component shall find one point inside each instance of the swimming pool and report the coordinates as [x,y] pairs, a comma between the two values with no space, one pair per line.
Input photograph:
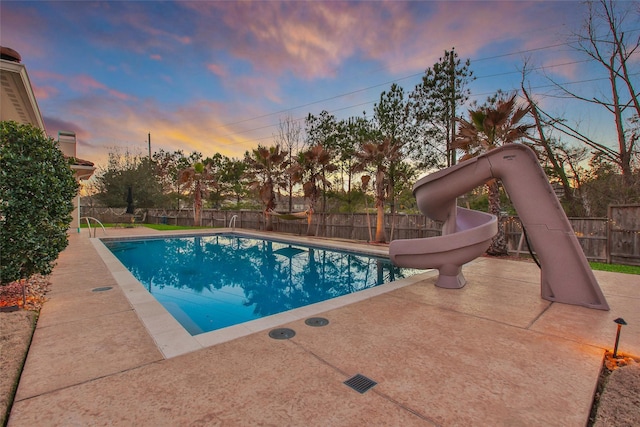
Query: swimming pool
[210,282]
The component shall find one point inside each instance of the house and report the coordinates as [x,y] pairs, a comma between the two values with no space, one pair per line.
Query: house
[18,103]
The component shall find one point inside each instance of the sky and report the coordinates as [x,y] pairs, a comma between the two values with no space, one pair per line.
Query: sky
[219,77]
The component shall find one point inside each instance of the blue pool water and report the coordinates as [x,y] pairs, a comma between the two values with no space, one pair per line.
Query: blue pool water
[211,282]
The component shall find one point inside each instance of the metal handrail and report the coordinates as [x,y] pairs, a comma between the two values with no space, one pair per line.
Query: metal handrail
[233,221]
[87,218]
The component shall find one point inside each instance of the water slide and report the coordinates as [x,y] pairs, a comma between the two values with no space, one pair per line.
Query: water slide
[565,273]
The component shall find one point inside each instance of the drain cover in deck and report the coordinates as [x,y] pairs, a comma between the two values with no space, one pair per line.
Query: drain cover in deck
[282,333]
[102,289]
[360,383]
[317,321]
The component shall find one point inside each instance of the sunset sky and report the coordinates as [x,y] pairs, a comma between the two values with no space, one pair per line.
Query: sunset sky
[219,76]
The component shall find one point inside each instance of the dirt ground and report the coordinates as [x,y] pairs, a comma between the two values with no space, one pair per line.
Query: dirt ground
[619,403]
[617,397]
[16,329]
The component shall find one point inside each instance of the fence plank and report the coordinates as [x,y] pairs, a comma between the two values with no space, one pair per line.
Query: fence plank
[624,234]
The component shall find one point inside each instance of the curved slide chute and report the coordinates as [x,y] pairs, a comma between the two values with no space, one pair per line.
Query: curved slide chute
[565,273]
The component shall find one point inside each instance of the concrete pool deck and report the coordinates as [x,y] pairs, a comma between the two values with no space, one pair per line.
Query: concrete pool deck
[492,353]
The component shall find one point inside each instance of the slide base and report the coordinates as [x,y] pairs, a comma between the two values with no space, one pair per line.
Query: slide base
[451,282]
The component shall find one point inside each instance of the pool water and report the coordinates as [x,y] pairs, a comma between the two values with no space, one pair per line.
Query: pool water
[211,282]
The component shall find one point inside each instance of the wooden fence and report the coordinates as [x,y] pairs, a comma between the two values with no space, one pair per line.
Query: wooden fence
[623,232]
[615,239]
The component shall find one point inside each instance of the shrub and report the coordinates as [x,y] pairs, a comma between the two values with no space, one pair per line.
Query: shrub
[37,187]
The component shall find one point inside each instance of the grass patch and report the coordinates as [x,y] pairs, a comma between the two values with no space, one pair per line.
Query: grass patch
[616,268]
[96,225]
[165,227]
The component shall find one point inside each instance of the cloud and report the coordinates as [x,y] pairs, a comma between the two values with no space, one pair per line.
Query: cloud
[564,66]
[85,83]
[196,66]
[151,30]
[305,38]
[312,40]
[13,21]
[45,92]
[49,84]
[218,69]
[108,123]
[489,29]
[137,27]
[255,87]
[55,125]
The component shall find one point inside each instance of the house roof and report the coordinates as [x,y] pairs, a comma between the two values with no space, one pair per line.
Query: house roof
[17,100]
[81,162]
[18,103]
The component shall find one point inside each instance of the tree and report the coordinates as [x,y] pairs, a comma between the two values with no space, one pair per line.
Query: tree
[354,132]
[391,123]
[229,174]
[603,185]
[289,138]
[37,187]
[553,150]
[433,106]
[377,157]
[233,178]
[266,174]
[605,41]
[197,179]
[167,167]
[323,130]
[124,170]
[310,170]
[489,127]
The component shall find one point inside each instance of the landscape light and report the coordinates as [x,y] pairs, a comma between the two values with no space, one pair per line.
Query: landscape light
[620,321]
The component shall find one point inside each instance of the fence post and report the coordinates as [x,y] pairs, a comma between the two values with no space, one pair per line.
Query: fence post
[609,222]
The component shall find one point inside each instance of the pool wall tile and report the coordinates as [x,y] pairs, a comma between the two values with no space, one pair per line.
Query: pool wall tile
[175,343]
[223,335]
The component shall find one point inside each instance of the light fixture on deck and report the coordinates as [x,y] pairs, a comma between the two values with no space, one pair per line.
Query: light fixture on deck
[620,321]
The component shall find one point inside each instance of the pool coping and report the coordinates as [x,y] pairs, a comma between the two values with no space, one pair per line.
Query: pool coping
[172,339]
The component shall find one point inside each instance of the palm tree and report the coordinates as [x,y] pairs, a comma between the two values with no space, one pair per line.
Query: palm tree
[197,179]
[311,170]
[266,173]
[379,157]
[492,126]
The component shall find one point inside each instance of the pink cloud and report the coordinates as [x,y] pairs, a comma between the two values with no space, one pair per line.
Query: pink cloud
[218,70]
[156,57]
[309,38]
[565,66]
[45,92]
[47,75]
[255,86]
[54,125]
[424,41]
[82,83]
[149,32]
[87,83]
[13,22]
[196,126]
[313,39]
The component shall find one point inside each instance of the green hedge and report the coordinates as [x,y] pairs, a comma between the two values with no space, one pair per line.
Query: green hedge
[37,187]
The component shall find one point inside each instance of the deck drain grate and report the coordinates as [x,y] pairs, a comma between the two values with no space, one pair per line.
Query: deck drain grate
[360,383]
[316,321]
[282,333]
[102,289]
